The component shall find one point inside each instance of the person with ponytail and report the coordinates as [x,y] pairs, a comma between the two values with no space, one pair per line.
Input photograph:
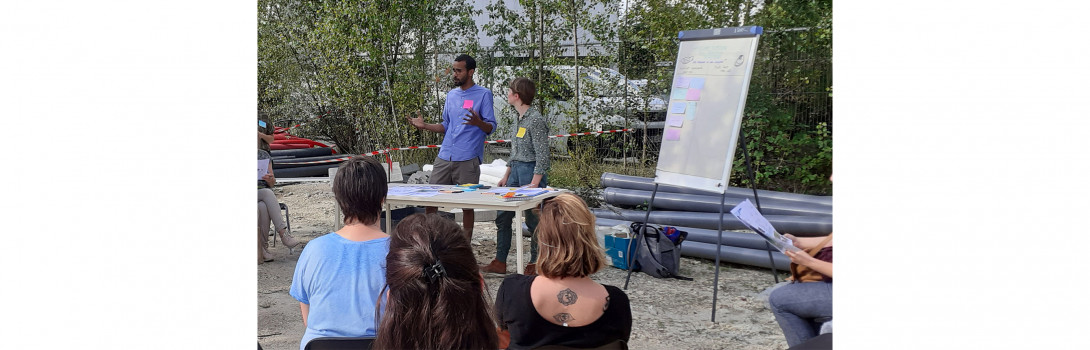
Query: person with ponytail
[435,296]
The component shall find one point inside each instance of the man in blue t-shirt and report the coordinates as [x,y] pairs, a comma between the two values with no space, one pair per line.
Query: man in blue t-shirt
[467,118]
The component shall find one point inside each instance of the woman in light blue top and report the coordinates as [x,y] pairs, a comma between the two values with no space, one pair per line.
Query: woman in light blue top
[339,275]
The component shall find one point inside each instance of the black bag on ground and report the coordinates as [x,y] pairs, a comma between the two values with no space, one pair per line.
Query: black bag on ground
[656,254]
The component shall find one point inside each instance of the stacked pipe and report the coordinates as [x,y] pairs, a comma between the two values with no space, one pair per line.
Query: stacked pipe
[305,162]
[697,212]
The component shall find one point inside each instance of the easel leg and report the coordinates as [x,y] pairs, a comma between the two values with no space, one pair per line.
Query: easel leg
[638,235]
[757,201]
[718,250]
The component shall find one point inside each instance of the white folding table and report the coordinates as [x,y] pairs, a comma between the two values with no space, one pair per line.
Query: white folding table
[469,200]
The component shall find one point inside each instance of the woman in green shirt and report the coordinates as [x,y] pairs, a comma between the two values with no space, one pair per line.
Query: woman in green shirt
[527,166]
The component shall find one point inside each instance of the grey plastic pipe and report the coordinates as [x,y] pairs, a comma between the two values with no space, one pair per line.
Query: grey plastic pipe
[709,204]
[802,226]
[647,184]
[730,238]
[744,256]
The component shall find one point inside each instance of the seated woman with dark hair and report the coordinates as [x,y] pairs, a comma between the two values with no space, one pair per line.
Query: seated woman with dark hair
[563,306]
[436,295]
[340,275]
[801,305]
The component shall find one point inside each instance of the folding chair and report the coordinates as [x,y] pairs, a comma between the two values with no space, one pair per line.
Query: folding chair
[287,220]
[337,343]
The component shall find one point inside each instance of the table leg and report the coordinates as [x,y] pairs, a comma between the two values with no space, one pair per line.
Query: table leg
[518,240]
[389,219]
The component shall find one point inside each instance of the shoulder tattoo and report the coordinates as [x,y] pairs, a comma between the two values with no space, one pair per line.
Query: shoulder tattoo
[567,297]
[606,306]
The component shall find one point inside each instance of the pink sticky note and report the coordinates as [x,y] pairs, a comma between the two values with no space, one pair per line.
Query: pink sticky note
[672,134]
[467,104]
[675,120]
[692,94]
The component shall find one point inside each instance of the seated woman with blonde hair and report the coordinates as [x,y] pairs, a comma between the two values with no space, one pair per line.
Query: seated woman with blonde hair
[563,306]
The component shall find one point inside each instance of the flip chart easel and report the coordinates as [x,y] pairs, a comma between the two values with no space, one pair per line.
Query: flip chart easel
[704,117]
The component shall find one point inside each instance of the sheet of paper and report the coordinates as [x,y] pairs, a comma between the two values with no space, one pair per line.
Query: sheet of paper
[262,168]
[675,120]
[690,111]
[681,82]
[749,216]
[672,134]
[677,107]
[413,190]
[692,94]
[678,94]
[696,83]
[467,104]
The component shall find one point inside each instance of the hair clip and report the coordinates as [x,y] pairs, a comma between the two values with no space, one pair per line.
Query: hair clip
[435,271]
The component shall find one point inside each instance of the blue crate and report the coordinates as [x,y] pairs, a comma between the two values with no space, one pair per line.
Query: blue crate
[615,251]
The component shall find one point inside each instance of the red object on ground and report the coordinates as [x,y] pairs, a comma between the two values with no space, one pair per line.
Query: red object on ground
[301,141]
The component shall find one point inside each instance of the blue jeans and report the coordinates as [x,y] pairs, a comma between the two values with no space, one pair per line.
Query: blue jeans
[522,173]
[797,305]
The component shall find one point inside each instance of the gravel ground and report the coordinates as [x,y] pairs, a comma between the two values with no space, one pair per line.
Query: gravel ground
[668,313]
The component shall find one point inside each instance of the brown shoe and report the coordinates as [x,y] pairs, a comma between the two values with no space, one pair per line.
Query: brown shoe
[531,269]
[495,267]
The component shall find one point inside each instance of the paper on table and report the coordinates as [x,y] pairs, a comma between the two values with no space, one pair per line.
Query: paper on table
[749,216]
[672,134]
[693,95]
[467,104]
[690,111]
[678,94]
[675,120]
[262,168]
[677,107]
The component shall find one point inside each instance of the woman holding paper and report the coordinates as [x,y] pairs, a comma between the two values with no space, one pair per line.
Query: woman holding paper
[269,209]
[801,307]
[526,167]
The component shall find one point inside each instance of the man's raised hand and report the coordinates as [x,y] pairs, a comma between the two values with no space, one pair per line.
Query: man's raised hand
[417,122]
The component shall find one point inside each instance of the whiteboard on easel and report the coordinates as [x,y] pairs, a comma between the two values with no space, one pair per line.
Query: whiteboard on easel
[707,98]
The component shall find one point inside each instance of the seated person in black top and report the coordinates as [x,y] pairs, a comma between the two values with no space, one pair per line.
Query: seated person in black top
[563,306]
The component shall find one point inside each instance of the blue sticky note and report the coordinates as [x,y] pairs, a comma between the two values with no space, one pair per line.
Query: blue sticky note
[677,107]
[690,111]
[696,83]
[681,82]
[678,94]
[261,123]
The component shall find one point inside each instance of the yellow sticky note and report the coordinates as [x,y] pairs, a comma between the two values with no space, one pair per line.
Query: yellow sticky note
[522,132]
